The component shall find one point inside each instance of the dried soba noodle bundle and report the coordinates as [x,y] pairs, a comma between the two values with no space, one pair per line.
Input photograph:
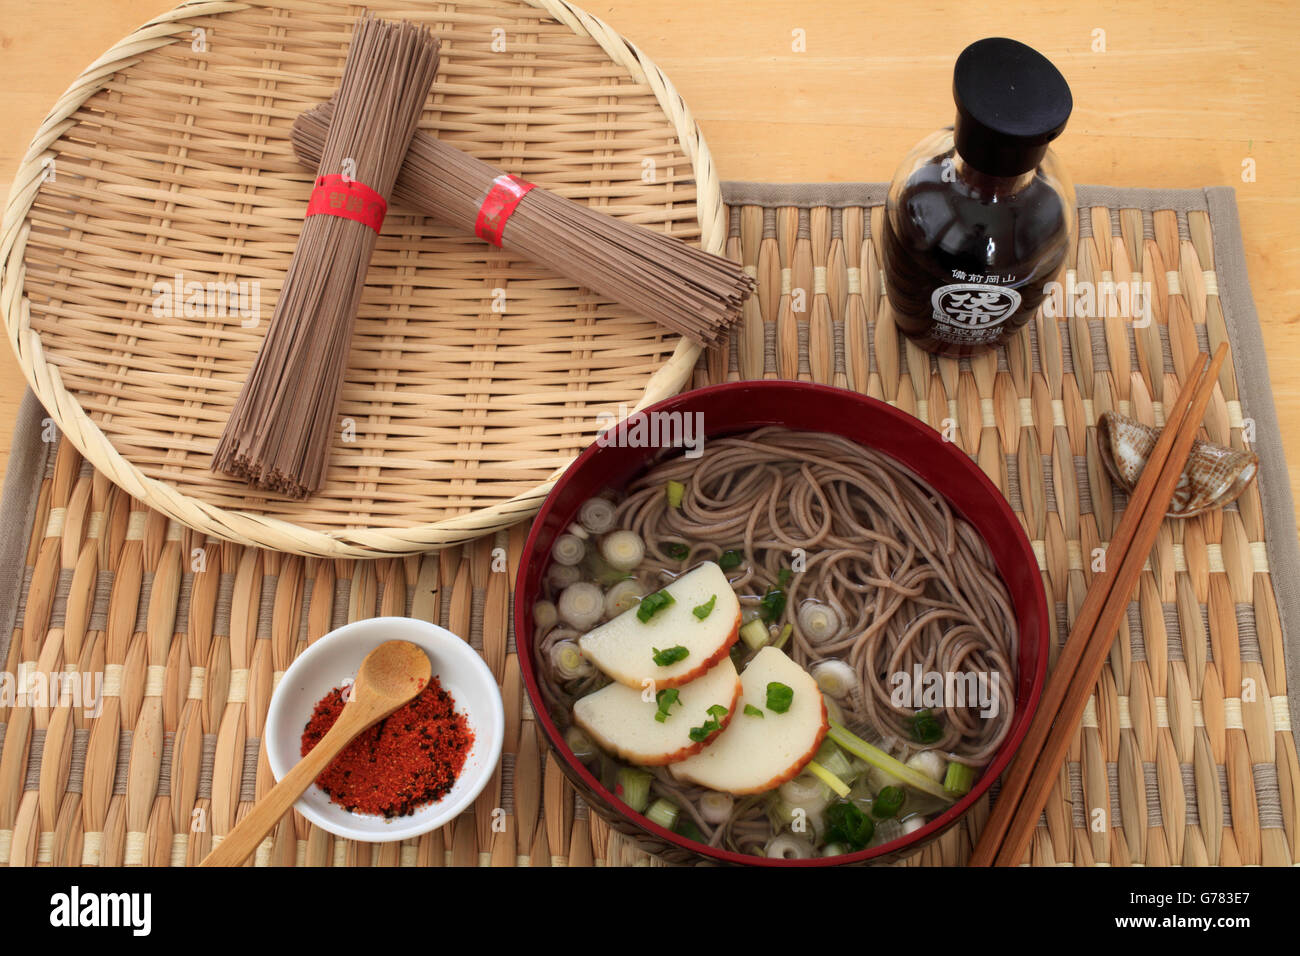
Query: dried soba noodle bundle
[683,288]
[279,433]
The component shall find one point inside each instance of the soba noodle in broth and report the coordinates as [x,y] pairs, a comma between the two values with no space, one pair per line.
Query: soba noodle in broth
[877,572]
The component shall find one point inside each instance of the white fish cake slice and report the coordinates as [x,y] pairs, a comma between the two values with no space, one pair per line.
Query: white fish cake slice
[621,721]
[624,647]
[756,754]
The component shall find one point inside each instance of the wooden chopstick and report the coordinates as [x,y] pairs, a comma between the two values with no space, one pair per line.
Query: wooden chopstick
[1067,664]
[1028,783]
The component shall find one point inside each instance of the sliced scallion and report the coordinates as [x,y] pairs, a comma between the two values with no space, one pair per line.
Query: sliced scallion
[664,813]
[882,761]
[959,779]
[675,491]
[888,802]
[705,609]
[926,728]
[568,661]
[753,711]
[730,560]
[833,759]
[670,655]
[779,697]
[622,597]
[568,549]
[624,550]
[772,606]
[825,776]
[710,726]
[633,787]
[582,746]
[652,604]
[665,699]
[597,515]
[716,807]
[582,604]
[754,634]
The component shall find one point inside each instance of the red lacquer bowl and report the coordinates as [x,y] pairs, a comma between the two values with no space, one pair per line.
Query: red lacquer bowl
[740,407]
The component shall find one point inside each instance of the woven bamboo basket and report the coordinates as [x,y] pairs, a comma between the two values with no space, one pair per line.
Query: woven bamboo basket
[474,377]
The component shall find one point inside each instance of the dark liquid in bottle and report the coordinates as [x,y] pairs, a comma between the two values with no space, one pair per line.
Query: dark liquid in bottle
[966,257]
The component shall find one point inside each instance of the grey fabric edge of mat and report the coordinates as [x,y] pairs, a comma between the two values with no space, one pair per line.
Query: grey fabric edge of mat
[22,489]
[807,195]
[1250,360]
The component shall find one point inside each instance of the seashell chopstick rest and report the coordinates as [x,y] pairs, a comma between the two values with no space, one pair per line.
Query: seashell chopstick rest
[1214,475]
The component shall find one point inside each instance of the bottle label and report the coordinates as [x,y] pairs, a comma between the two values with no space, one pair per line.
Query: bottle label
[968,312]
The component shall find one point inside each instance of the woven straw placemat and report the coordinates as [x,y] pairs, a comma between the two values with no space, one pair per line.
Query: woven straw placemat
[1185,756]
[150,227]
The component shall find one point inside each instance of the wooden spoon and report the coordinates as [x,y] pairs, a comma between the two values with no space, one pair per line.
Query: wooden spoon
[392,674]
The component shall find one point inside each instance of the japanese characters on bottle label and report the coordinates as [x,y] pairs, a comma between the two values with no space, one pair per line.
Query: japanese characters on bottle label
[972,312]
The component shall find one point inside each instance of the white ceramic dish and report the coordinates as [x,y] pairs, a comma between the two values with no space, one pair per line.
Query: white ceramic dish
[333,660]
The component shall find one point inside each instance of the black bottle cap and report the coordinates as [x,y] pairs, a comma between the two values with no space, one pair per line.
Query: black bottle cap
[1011,102]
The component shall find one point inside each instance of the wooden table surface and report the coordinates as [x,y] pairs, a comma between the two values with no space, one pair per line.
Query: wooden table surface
[1173,95]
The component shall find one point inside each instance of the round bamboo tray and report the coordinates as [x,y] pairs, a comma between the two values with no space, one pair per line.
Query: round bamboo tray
[475,377]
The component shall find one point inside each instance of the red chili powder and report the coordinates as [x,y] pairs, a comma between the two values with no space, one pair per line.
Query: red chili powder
[410,758]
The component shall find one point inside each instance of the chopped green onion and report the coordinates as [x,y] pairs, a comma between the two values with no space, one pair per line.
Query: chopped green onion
[888,802]
[783,577]
[779,697]
[926,728]
[730,560]
[773,605]
[959,779]
[604,573]
[848,825]
[582,746]
[705,609]
[596,515]
[581,605]
[677,551]
[652,604]
[784,635]
[670,655]
[754,633]
[753,711]
[665,699]
[710,726]
[663,813]
[633,787]
[675,490]
[833,759]
[622,550]
[825,776]
[686,827]
[883,761]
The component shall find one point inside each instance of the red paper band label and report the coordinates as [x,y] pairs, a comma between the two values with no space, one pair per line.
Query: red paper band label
[347,199]
[502,199]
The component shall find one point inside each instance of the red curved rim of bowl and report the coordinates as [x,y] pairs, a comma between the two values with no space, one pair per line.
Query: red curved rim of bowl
[808,407]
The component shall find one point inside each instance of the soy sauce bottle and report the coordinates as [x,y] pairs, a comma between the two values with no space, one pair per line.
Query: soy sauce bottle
[979,215]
